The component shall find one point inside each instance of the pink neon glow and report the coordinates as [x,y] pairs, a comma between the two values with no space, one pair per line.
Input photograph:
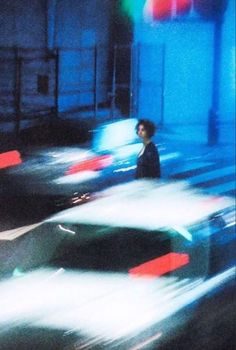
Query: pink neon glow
[163,9]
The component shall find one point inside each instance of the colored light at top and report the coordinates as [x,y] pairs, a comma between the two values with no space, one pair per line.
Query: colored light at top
[133,8]
[156,9]
[165,9]
[159,9]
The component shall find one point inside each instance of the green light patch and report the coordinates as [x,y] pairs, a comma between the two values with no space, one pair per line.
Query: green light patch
[133,8]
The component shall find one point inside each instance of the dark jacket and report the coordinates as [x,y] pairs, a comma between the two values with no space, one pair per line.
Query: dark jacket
[148,164]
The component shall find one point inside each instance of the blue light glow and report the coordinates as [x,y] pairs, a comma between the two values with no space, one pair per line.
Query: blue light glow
[115,135]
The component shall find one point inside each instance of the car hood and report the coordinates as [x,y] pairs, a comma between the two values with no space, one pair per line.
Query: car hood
[97,305]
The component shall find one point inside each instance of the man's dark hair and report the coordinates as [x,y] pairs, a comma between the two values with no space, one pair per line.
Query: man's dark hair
[148,126]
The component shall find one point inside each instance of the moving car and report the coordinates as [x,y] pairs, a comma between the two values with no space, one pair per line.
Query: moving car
[68,175]
[65,174]
[124,271]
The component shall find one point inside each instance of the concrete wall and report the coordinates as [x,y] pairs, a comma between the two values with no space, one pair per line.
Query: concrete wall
[23,23]
[28,23]
[188,74]
[228,83]
[82,24]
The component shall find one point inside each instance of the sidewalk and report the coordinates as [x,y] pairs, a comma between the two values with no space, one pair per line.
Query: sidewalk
[173,138]
[225,151]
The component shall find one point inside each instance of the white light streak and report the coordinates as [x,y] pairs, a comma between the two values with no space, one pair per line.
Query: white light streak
[123,170]
[146,342]
[184,232]
[10,235]
[66,229]
[230,224]
[79,177]
[147,205]
[75,301]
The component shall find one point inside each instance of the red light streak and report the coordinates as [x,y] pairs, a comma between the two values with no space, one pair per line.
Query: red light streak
[160,266]
[94,164]
[10,158]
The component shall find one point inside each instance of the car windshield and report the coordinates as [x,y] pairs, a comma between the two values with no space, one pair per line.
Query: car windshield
[87,247]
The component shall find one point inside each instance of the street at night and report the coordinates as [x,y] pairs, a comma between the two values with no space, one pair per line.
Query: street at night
[117,175]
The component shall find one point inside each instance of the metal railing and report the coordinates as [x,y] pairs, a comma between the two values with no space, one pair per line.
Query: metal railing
[37,85]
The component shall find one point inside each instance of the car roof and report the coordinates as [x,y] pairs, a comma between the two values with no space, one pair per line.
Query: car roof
[146,204]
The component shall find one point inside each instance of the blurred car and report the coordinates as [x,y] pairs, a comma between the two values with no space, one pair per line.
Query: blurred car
[68,175]
[124,271]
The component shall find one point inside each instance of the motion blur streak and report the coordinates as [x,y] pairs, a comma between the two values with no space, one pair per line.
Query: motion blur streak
[173,155]
[8,159]
[96,163]
[160,266]
[66,301]
[160,198]
[77,178]
[183,232]
[114,135]
[66,229]
[146,342]
[10,235]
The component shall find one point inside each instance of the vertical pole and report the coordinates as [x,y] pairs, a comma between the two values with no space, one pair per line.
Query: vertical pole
[56,90]
[95,100]
[17,92]
[213,117]
[131,94]
[135,79]
[51,24]
[138,80]
[113,92]
[163,84]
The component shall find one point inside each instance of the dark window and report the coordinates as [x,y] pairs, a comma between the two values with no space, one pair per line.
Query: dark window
[43,84]
[91,247]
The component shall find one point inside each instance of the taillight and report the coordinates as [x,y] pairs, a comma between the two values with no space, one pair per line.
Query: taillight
[94,164]
[10,158]
[160,266]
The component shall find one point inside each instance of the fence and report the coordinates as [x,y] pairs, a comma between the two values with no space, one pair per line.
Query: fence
[37,86]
